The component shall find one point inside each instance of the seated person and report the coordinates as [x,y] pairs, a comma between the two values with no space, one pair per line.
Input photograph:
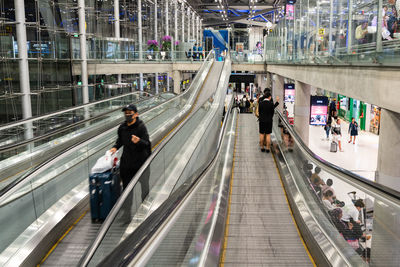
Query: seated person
[327,200]
[361,32]
[352,211]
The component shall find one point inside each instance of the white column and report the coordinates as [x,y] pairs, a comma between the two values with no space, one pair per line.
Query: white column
[188,25]
[177,81]
[82,39]
[176,20]
[156,38]
[302,110]
[166,18]
[23,59]
[23,66]
[140,39]
[183,22]
[117,29]
[193,24]
[140,31]
[197,30]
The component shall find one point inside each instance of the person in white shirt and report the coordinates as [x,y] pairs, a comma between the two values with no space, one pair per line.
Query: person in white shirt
[353,211]
[337,132]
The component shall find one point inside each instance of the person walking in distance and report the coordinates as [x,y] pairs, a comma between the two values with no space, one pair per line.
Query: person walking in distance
[266,112]
[353,130]
[133,136]
[337,132]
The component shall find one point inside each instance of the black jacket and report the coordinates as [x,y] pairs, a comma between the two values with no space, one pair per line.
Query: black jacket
[134,155]
[266,109]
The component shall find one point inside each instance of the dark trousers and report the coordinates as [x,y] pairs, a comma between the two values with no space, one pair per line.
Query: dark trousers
[126,176]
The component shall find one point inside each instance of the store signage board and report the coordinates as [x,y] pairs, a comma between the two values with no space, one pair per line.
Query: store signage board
[319,110]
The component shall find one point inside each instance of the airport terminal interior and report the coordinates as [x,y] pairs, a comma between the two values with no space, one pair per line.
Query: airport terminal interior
[200,133]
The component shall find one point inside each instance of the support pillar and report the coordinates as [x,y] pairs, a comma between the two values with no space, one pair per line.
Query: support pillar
[386,227]
[166,18]
[140,31]
[156,38]
[82,41]
[302,110]
[23,59]
[183,22]
[388,169]
[188,25]
[176,20]
[117,29]
[177,81]
[193,26]
[140,81]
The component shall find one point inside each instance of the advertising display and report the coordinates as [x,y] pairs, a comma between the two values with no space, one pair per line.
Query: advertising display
[289,12]
[375,119]
[319,110]
[289,101]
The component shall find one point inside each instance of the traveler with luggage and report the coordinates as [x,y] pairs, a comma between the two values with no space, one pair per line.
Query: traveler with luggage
[133,136]
[353,130]
[337,135]
[266,109]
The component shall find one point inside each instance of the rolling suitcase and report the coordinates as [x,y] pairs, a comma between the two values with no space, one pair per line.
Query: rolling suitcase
[333,146]
[104,190]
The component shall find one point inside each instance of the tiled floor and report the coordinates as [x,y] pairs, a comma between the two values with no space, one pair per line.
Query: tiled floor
[360,158]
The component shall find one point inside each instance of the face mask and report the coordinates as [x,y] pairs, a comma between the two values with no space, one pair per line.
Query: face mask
[128,118]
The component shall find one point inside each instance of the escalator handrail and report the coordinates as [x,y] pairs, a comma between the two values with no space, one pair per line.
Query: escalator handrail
[146,230]
[24,121]
[47,135]
[112,215]
[339,171]
[17,182]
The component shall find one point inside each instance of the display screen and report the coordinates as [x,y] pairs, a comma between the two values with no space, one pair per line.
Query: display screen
[319,110]
[289,12]
[289,92]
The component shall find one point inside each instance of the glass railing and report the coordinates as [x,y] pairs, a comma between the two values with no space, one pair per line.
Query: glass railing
[247,57]
[184,155]
[36,140]
[27,207]
[147,56]
[354,221]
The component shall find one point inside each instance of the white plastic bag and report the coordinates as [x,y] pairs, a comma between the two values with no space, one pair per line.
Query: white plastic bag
[104,163]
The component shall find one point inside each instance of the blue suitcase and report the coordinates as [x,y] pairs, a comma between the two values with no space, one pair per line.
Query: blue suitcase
[104,190]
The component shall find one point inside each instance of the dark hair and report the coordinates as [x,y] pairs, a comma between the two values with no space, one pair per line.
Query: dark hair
[317,169]
[329,182]
[267,90]
[328,193]
[359,203]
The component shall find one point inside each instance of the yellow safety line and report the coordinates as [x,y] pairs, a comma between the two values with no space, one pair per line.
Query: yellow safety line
[83,214]
[61,238]
[222,259]
[291,213]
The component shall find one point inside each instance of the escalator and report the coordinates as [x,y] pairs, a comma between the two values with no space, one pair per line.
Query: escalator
[36,140]
[248,208]
[54,196]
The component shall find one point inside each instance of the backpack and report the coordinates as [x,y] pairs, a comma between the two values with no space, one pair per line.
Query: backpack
[242,104]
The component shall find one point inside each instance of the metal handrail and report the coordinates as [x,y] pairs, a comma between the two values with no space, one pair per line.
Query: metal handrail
[339,171]
[24,121]
[146,230]
[17,182]
[46,135]
[110,218]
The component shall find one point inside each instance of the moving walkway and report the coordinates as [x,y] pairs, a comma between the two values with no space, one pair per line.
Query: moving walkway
[245,207]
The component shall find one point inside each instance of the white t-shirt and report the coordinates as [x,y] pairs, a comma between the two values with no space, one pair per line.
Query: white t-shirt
[328,204]
[350,211]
